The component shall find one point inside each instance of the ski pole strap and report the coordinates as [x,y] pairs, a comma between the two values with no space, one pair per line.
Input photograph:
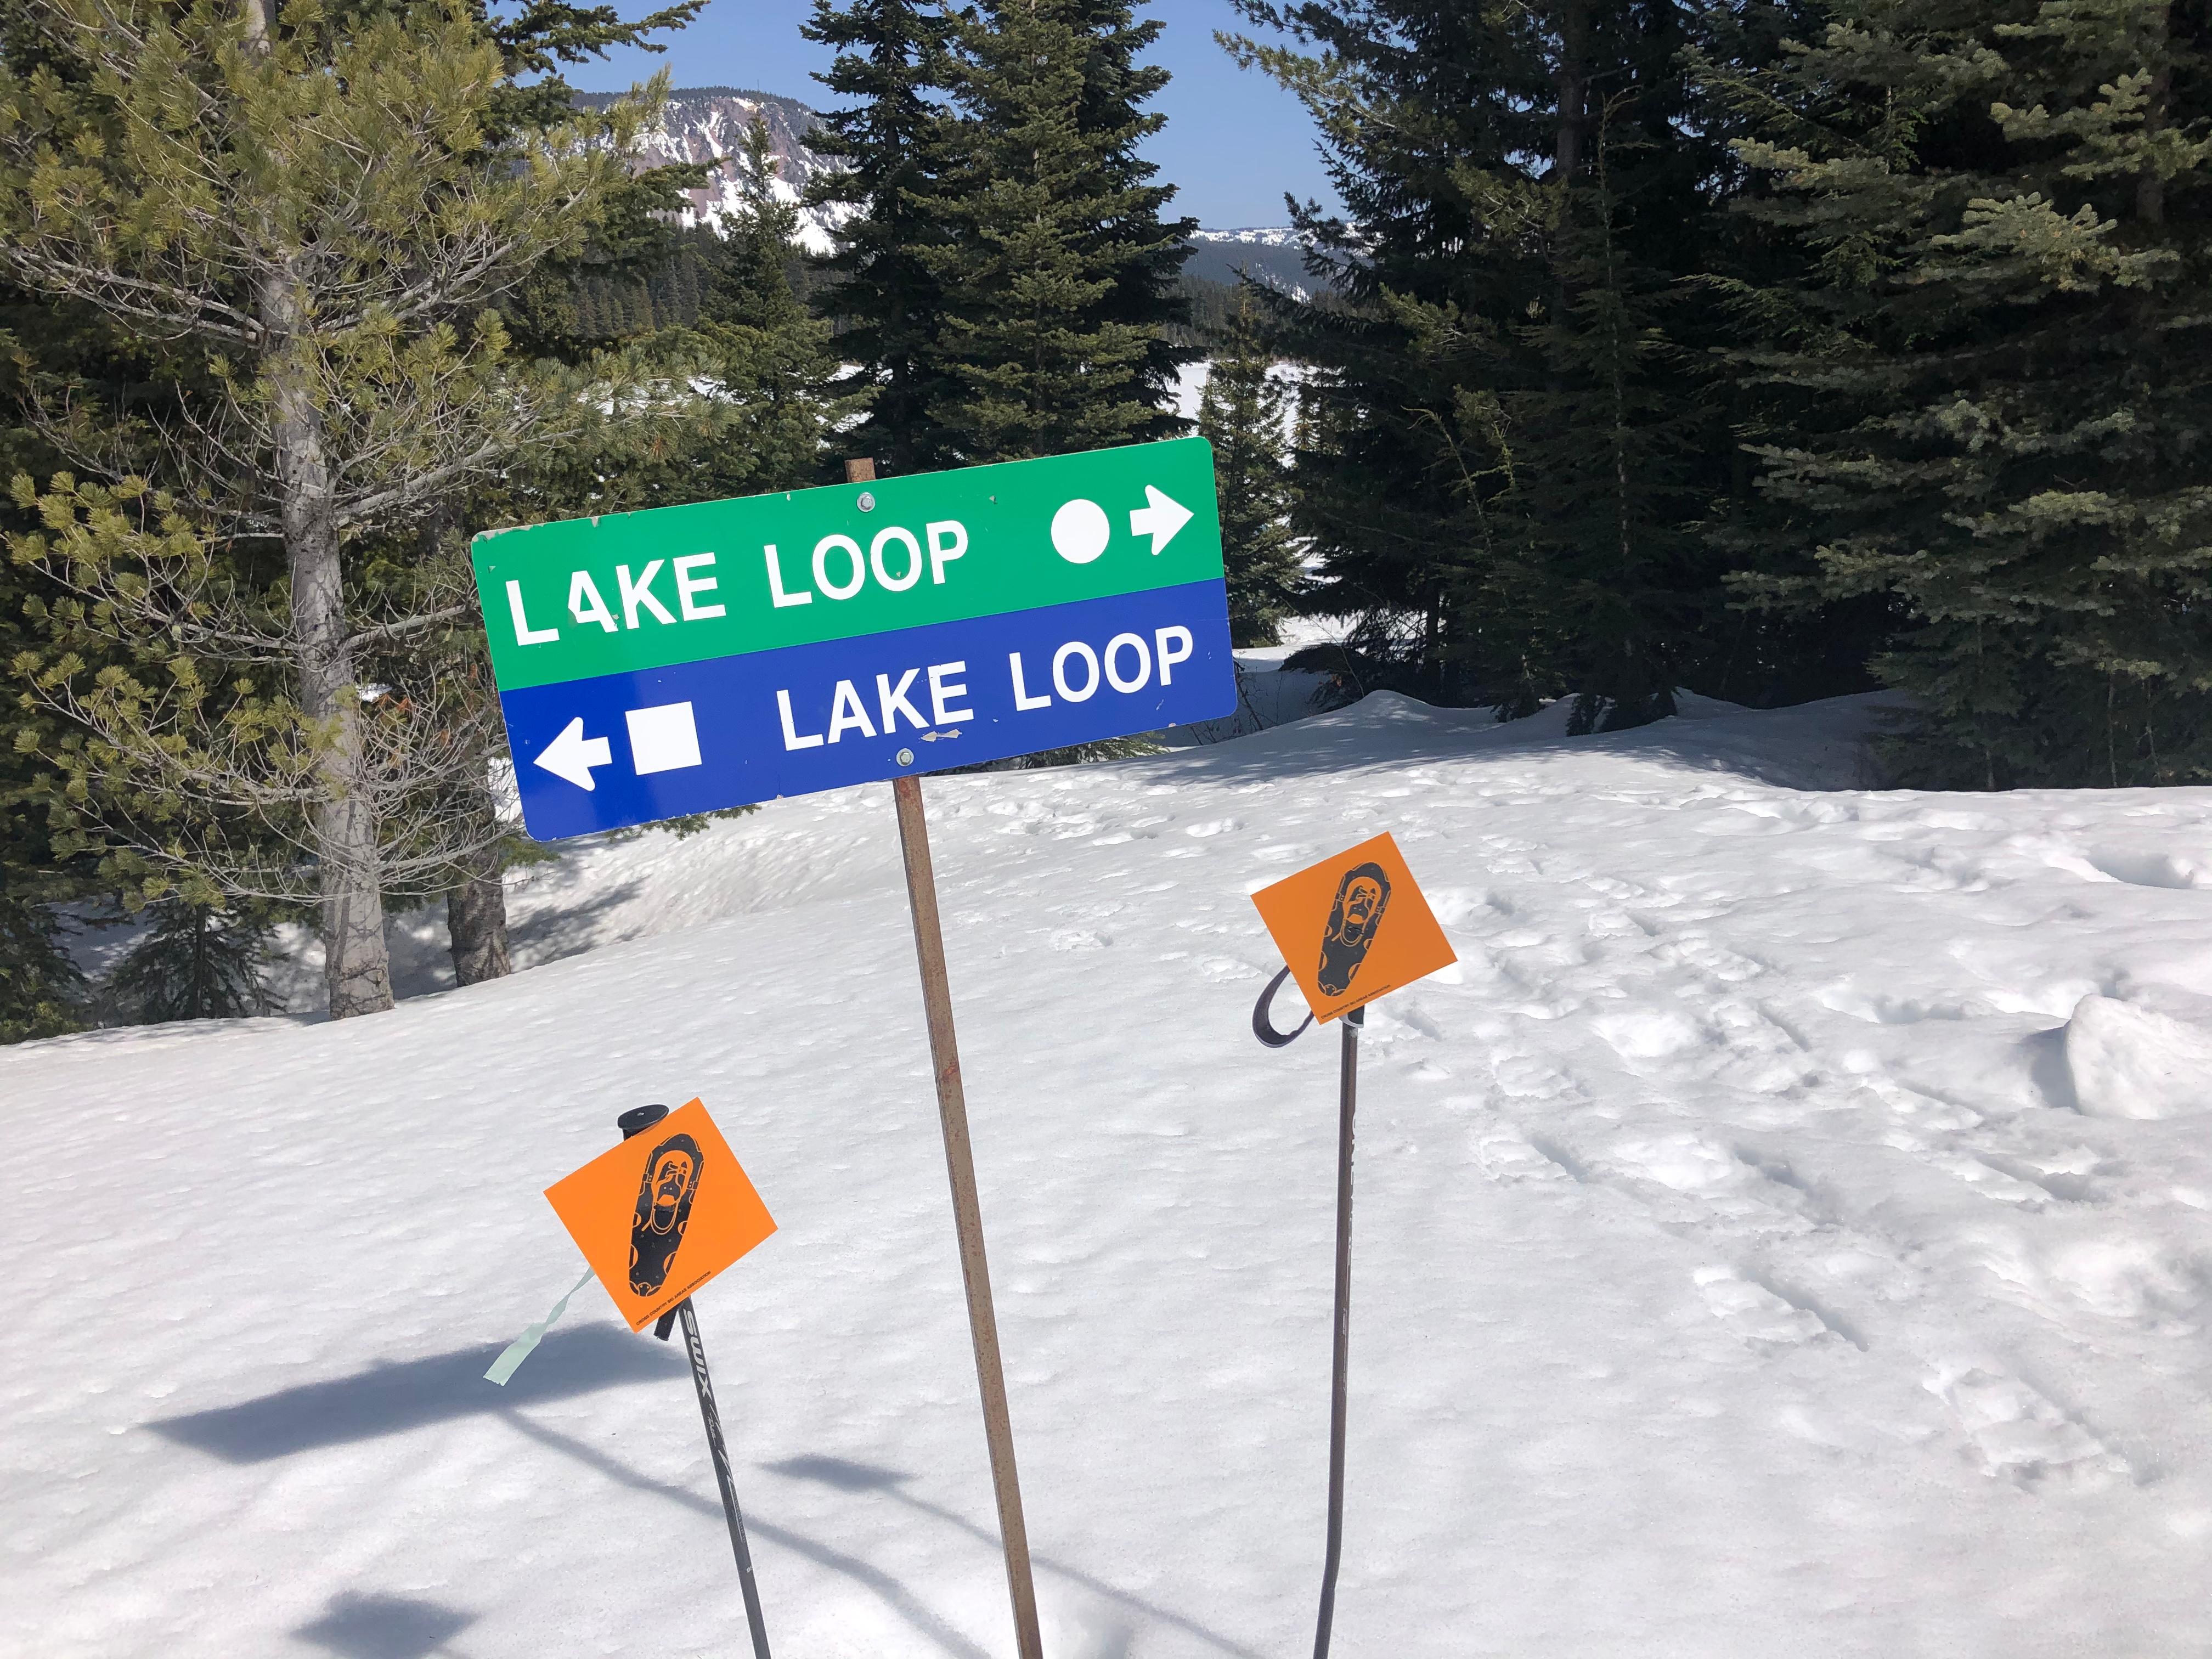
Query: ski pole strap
[520,1349]
[1263,1028]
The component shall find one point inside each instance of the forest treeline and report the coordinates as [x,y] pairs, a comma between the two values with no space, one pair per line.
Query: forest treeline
[1768,350]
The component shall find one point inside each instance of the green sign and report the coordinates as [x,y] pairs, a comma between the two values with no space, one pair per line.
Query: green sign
[632,591]
[656,664]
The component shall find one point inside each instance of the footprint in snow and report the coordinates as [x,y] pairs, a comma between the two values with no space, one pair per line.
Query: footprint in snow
[1650,1033]
[1505,1156]
[2153,869]
[1763,1320]
[2014,1433]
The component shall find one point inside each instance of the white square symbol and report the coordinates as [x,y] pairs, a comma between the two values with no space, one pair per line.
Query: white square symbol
[663,739]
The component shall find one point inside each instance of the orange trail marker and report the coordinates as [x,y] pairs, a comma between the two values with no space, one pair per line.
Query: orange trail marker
[1352,928]
[662,1213]
[656,1218]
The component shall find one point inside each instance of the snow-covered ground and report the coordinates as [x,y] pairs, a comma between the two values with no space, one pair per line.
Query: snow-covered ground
[1786,1231]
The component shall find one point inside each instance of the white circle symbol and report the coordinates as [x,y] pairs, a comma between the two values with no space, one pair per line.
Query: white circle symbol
[1080,532]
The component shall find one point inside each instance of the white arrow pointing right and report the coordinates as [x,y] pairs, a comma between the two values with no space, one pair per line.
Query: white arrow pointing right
[571,755]
[1160,520]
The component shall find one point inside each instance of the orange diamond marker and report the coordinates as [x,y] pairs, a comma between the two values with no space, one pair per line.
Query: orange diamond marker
[1354,927]
[662,1213]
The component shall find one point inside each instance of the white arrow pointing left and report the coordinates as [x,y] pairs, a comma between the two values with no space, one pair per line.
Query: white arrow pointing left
[1160,520]
[571,755]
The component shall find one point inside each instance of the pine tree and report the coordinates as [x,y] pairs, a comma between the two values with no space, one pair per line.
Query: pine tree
[1518,448]
[743,401]
[1990,383]
[1242,411]
[1059,281]
[42,991]
[883,198]
[778,368]
[321,209]
[194,963]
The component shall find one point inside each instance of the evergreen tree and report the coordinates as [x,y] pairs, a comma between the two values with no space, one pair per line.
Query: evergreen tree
[884,197]
[321,209]
[778,368]
[742,401]
[42,990]
[1518,447]
[1002,270]
[194,963]
[1992,381]
[1059,281]
[1242,411]
[1212,307]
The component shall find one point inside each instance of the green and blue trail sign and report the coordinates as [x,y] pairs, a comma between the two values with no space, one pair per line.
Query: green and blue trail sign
[688,658]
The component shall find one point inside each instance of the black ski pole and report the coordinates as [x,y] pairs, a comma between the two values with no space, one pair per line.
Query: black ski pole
[1347,1099]
[1348,1092]
[632,1122]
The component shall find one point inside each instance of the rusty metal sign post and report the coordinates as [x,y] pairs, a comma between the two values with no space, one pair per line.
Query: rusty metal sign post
[688,659]
[967,1210]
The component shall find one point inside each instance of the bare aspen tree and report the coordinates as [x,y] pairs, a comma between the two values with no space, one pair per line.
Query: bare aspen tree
[268,678]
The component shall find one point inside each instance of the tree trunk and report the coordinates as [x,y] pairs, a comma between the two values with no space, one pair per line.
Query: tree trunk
[356,964]
[475,922]
[2150,185]
[1573,83]
[356,961]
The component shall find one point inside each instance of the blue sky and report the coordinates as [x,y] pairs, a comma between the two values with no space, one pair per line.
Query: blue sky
[1234,143]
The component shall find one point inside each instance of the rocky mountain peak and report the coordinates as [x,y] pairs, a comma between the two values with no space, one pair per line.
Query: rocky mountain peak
[700,124]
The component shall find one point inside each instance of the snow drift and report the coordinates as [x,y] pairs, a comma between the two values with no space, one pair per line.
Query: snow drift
[2127,1062]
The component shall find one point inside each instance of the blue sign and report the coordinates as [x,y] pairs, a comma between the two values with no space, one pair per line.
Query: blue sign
[684,659]
[696,737]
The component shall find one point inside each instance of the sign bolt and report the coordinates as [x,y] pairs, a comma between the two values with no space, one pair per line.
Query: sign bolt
[906,758]
[867,501]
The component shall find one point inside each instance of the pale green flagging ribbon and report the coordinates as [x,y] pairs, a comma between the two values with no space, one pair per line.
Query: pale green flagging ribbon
[511,1358]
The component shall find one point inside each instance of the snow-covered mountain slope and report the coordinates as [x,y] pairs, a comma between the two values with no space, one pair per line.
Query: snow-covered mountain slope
[1788,1230]
[1272,254]
[702,122]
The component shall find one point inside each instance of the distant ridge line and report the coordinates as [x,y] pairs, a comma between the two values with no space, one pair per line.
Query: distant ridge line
[679,94]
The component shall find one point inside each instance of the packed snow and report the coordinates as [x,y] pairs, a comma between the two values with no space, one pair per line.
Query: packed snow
[1785,1230]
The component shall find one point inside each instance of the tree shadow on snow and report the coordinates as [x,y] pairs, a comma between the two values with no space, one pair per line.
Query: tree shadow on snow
[895,1594]
[845,1475]
[1109,1639]
[384,1627]
[568,925]
[1811,746]
[391,1399]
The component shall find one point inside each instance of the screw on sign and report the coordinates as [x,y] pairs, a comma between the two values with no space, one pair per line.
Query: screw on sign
[1351,928]
[690,658]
